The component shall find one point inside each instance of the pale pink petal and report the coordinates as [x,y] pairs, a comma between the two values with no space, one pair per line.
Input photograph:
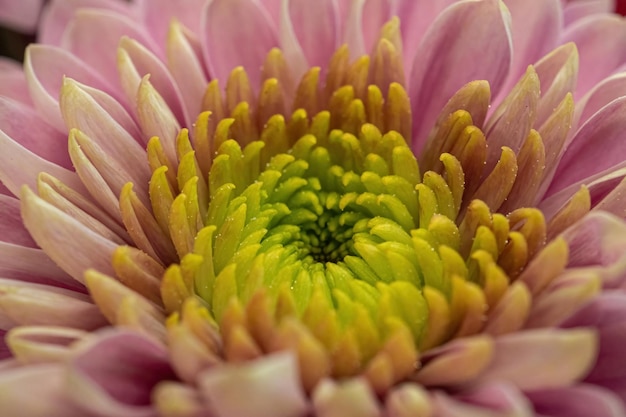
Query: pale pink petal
[542,358]
[421,14]
[173,399]
[445,61]
[38,344]
[19,166]
[407,400]
[159,14]
[601,43]
[115,372]
[351,398]
[94,35]
[47,383]
[11,227]
[578,401]
[584,158]
[230,25]
[600,95]
[492,400]
[260,382]
[13,81]
[144,63]
[23,303]
[578,10]
[58,13]
[45,67]
[190,355]
[20,15]
[536,25]
[26,127]
[375,14]
[59,235]
[33,265]
[184,61]
[353,28]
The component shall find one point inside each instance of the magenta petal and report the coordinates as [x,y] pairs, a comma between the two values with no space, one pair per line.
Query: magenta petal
[230,25]
[260,382]
[577,401]
[13,81]
[536,25]
[58,13]
[445,61]
[601,42]
[26,127]
[158,15]
[93,36]
[584,158]
[36,391]
[20,15]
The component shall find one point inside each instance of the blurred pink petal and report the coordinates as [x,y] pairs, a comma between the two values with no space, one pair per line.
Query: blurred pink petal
[20,15]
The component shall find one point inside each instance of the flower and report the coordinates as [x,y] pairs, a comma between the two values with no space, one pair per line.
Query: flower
[252,218]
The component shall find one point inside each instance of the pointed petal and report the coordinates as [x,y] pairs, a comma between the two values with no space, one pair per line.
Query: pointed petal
[13,81]
[408,400]
[159,14]
[37,344]
[11,227]
[578,401]
[445,61]
[59,235]
[600,95]
[349,398]
[491,400]
[263,380]
[230,25]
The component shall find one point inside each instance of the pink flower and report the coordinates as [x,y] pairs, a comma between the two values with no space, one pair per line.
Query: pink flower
[215,208]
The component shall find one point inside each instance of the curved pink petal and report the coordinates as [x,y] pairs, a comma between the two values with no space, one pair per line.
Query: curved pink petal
[48,381]
[158,15]
[59,235]
[584,157]
[13,81]
[26,127]
[578,401]
[11,227]
[229,25]
[58,13]
[93,36]
[445,61]
[543,358]
[601,43]
[536,25]
[375,14]
[351,398]
[260,382]
[408,400]
[23,303]
[20,15]
[600,95]
[45,67]
[38,344]
[114,373]
[577,10]
[491,400]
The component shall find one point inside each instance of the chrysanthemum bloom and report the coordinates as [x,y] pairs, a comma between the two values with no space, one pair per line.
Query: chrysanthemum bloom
[252,217]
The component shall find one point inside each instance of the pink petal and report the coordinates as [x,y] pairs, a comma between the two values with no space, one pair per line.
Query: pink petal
[159,14]
[114,373]
[584,158]
[351,398]
[492,400]
[38,344]
[27,128]
[542,358]
[230,25]
[407,400]
[600,95]
[577,401]
[536,25]
[24,303]
[601,41]
[11,227]
[375,14]
[577,10]
[174,399]
[13,81]
[45,68]
[20,15]
[59,235]
[260,382]
[93,36]
[47,382]
[445,61]
[58,14]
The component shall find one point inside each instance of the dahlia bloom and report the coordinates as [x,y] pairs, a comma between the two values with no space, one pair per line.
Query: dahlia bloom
[330,208]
